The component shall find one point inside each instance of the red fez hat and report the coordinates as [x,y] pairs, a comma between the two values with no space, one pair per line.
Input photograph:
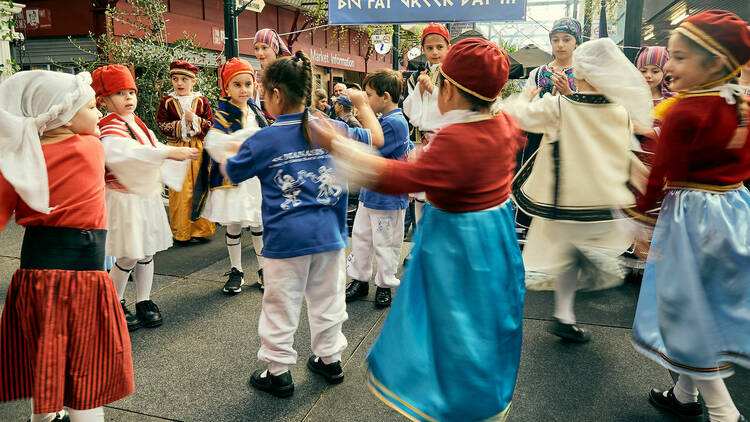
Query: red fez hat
[181,67]
[232,68]
[720,32]
[436,28]
[112,78]
[476,56]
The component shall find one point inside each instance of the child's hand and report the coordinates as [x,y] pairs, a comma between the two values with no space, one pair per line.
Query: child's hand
[183,153]
[322,133]
[561,83]
[233,148]
[425,84]
[189,115]
[358,98]
[534,93]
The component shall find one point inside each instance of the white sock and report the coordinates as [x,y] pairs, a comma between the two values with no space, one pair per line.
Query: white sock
[144,278]
[257,233]
[120,272]
[565,294]
[277,369]
[418,206]
[43,417]
[88,415]
[684,390]
[234,245]
[331,359]
[718,401]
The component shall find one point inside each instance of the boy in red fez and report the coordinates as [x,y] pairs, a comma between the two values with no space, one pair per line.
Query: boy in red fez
[137,165]
[420,105]
[693,311]
[235,205]
[185,117]
[440,355]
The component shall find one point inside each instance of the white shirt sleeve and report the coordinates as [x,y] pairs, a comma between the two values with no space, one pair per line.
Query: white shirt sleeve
[218,143]
[538,116]
[422,109]
[136,166]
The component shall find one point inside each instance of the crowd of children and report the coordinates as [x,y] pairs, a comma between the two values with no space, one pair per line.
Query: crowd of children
[267,157]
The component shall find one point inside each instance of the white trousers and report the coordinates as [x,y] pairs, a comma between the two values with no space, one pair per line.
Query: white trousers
[379,233]
[319,278]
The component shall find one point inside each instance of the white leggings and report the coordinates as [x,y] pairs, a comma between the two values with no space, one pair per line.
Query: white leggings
[88,415]
[143,276]
[719,403]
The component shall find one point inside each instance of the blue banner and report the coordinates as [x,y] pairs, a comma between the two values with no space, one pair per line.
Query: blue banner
[363,12]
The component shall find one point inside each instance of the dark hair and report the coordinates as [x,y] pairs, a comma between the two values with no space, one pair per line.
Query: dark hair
[476,103]
[292,76]
[354,85]
[385,80]
[708,59]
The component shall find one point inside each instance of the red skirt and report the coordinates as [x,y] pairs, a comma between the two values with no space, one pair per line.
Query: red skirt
[64,341]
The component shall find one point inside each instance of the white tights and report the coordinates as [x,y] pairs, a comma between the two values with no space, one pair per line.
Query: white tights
[143,276]
[715,394]
[88,415]
[234,244]
[565,294]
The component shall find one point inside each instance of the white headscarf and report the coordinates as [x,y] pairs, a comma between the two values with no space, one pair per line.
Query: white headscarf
[31,103]
[601,63]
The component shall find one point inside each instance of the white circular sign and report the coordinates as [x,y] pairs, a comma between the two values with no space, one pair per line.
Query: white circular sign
[413,53]
[382,48]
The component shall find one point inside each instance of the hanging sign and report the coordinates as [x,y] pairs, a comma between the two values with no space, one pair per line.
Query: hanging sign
[413,53]
[382,43]
[367,12]
[252,5]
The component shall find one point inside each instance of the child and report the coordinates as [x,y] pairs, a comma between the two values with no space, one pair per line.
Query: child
[304,212]
[578,174]
[136,221]
[379,222]
[235,205]
[693,310]
[556,77]
[421,103]
[185,117]
[650,62]
[268,46]
[441,355]
[63,339]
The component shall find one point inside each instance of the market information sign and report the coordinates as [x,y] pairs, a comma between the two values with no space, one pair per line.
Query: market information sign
[366,12]
[382,43]
[253,5]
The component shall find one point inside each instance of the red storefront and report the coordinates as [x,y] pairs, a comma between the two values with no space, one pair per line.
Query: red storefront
[47,24]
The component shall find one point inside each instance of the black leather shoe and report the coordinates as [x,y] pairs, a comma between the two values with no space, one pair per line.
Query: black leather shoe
[382,297]
[569,332]
[357,289]
[684,411]
[61,416]
[332,372]
[148,313]
[133,322]
[278,385]
[261,286]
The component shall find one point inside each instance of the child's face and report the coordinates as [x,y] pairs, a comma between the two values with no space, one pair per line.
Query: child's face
[182,85]
[377,103]
[264,53]
[84,122]
[435,48]
[686,66]
[321,104]
[653,75]
[241,88]
[562,45]
[122,103]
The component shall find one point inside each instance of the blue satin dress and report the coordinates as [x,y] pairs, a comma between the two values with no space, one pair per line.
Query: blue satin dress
[451,345]
[693,313]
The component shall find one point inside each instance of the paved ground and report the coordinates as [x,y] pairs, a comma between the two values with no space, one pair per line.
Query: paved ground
[196,366]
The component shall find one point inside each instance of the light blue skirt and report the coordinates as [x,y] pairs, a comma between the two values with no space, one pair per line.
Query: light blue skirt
[693,312]
[451,345]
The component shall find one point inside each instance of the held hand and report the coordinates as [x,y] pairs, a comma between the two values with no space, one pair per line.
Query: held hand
[641,248]
[189,115]
[322,133]
[358,98]
[534,93]
[183,153]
